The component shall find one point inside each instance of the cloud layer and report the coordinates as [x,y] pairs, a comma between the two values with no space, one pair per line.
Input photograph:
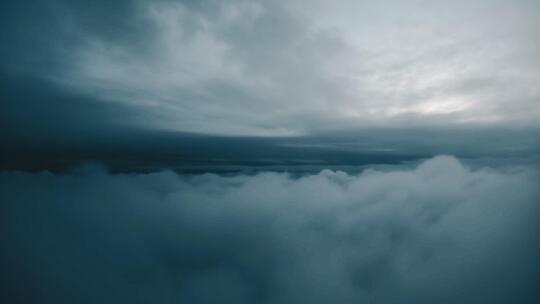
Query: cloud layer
[287,67]
[437,233]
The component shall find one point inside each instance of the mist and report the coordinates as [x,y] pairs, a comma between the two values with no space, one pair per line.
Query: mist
[437,232]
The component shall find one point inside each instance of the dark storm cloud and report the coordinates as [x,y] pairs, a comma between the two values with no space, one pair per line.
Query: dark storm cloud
[37,41]
[37,36]
[437,233]
[31,105]
[64,129]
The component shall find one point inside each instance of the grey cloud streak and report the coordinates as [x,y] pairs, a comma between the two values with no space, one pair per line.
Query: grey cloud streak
[436,233]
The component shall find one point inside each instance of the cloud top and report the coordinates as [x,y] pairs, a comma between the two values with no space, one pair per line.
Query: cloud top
[437,233]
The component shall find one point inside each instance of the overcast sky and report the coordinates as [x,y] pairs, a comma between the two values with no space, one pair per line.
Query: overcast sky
[269,151]
[282,67]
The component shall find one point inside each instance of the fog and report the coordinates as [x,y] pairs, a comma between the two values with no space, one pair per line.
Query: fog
[440,232]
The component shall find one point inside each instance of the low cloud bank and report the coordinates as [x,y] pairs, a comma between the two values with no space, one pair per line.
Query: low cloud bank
[438,233]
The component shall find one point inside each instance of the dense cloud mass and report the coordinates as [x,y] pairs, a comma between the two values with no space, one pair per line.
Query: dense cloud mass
[437,233]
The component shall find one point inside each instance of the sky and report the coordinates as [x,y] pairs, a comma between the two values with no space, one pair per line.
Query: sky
[274,152]
[281,68]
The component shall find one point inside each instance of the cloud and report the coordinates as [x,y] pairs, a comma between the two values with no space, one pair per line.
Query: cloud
[288,67]
[437,233]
